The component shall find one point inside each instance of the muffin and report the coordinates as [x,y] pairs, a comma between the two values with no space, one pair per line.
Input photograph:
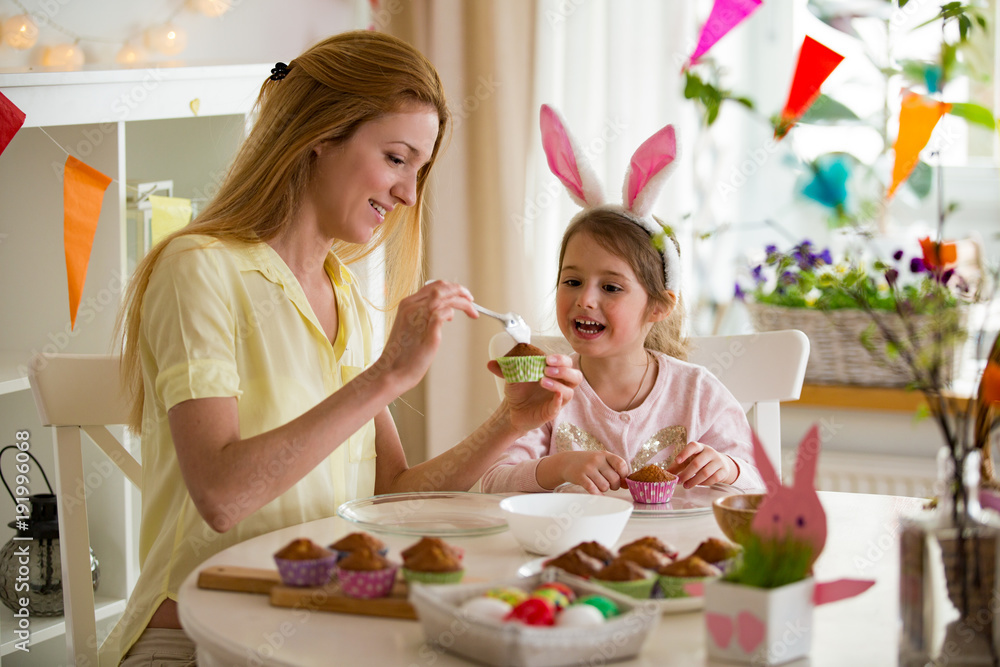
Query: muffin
[576,562]
[523,363]
[654,543]
[651,485]
[302,562]
[626,577]
[364,573]
[345,545]
[427,543]
[595,550]
[645,557]
[676,575]
[715,551]
[434,564]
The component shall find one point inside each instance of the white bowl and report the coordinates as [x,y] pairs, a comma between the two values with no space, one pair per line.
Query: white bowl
[551,523]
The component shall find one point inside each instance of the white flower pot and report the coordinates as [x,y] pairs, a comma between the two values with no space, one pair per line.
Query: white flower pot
[758,626]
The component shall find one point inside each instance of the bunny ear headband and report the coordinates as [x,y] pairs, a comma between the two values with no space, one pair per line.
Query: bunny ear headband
[648,170]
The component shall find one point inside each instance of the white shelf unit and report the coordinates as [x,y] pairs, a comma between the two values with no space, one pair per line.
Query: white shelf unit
[132,125]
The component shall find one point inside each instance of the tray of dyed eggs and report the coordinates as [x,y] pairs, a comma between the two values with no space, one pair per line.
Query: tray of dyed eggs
[551,618]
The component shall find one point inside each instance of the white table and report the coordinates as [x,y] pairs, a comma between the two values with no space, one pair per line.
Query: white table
[244,629]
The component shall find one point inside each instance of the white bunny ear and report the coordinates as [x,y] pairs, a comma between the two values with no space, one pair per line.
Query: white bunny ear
[651,164]
[567,161]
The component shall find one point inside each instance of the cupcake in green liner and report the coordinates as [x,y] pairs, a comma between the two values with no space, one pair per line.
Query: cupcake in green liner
[625,577]
[433,565]
[675,576]
[523,363]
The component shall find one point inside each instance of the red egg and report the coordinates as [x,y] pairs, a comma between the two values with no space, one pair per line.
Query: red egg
[533,611]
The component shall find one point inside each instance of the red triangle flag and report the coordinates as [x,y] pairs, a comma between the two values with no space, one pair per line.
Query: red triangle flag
[83,194]
[816,63]
[11,120]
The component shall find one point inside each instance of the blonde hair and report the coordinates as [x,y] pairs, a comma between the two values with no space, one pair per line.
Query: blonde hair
[329,92]
[628,241]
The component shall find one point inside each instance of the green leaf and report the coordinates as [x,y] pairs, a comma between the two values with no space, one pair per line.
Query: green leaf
[964,26]
[826,109]
[974,113]
[745,101]
[920,179]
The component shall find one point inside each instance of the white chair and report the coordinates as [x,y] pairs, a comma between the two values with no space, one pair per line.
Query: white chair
[760,369]
[75,393]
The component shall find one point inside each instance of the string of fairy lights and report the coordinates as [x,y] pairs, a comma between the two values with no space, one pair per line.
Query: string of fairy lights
[21,32]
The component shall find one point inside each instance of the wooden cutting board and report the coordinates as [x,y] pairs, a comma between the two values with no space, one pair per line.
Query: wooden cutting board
[324,598]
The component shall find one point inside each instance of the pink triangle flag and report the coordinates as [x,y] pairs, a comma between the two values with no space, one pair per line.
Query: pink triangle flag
[83,195]
[816,63]
[725,15]
[11,120]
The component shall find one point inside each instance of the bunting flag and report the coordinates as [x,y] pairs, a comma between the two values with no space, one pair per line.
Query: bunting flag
[11,120]
[816,63]
[169,215]
[917,118]
[83,194]
[725,15]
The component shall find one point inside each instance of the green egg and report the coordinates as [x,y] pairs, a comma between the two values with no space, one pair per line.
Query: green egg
[607,607]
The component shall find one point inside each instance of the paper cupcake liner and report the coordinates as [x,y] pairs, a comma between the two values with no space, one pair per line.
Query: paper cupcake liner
[651,493]
[433,577]
[673,587]
[641,588]
[522,369]
[312,572]
[367,584]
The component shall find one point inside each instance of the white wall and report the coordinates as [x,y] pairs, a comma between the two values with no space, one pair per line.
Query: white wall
[252,31]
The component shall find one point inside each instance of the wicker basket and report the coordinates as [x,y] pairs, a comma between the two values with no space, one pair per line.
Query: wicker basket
[836,355]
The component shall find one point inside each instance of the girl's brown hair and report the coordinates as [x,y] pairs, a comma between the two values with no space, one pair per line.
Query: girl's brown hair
[330,91]
[630,242]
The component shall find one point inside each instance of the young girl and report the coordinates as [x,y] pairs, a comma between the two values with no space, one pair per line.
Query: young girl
[617,305]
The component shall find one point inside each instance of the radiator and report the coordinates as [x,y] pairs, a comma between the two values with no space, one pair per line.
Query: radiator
[870,473]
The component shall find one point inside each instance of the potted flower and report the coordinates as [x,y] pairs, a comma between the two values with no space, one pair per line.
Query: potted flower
[847,306]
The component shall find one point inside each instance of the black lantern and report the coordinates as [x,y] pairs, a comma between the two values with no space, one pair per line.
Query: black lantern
[30,565]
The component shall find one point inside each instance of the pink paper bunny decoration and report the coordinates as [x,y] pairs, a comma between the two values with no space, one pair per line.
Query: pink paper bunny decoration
[792,510]
[648,170]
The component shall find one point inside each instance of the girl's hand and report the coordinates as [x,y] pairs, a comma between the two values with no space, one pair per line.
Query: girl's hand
[531,404]
[596,472]
[416,332]
[700,464]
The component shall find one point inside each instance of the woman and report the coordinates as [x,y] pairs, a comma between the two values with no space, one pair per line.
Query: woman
[247,344]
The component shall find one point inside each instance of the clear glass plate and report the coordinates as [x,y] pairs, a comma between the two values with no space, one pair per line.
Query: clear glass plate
[666,605]
[685,502]
[440,514]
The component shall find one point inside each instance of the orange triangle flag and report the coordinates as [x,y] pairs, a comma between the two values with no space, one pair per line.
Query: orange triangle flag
[83,194]
[917,119]
[816,63]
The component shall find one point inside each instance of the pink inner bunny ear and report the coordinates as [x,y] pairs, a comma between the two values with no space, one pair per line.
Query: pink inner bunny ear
[806,459]
[764,465]
[559,151]
[654,155]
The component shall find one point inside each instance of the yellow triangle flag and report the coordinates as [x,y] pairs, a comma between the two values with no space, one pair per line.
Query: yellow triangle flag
[169,215]
[83,194]
[917,119]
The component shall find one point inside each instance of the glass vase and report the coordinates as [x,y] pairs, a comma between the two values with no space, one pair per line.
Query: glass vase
[948,564]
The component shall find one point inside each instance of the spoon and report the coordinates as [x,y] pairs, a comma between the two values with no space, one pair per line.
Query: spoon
[513,323]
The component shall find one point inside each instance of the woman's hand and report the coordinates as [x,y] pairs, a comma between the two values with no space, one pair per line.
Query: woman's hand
[531,404]
[416,332]
[700,464]
[596,472]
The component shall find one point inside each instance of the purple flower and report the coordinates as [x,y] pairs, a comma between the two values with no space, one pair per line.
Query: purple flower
[787,278]
[826,256]
[890,277]
[738,293]
[946,276]
[917,265]
[758,274]
[898,255]
[771,250]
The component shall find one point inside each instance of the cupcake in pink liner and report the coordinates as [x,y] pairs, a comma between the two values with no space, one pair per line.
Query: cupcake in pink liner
[302,563]
[651,485]
[366,574]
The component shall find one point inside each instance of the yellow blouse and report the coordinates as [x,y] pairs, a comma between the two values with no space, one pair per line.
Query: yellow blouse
[227,319]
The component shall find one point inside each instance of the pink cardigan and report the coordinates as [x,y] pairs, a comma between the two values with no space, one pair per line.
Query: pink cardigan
[687,404]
